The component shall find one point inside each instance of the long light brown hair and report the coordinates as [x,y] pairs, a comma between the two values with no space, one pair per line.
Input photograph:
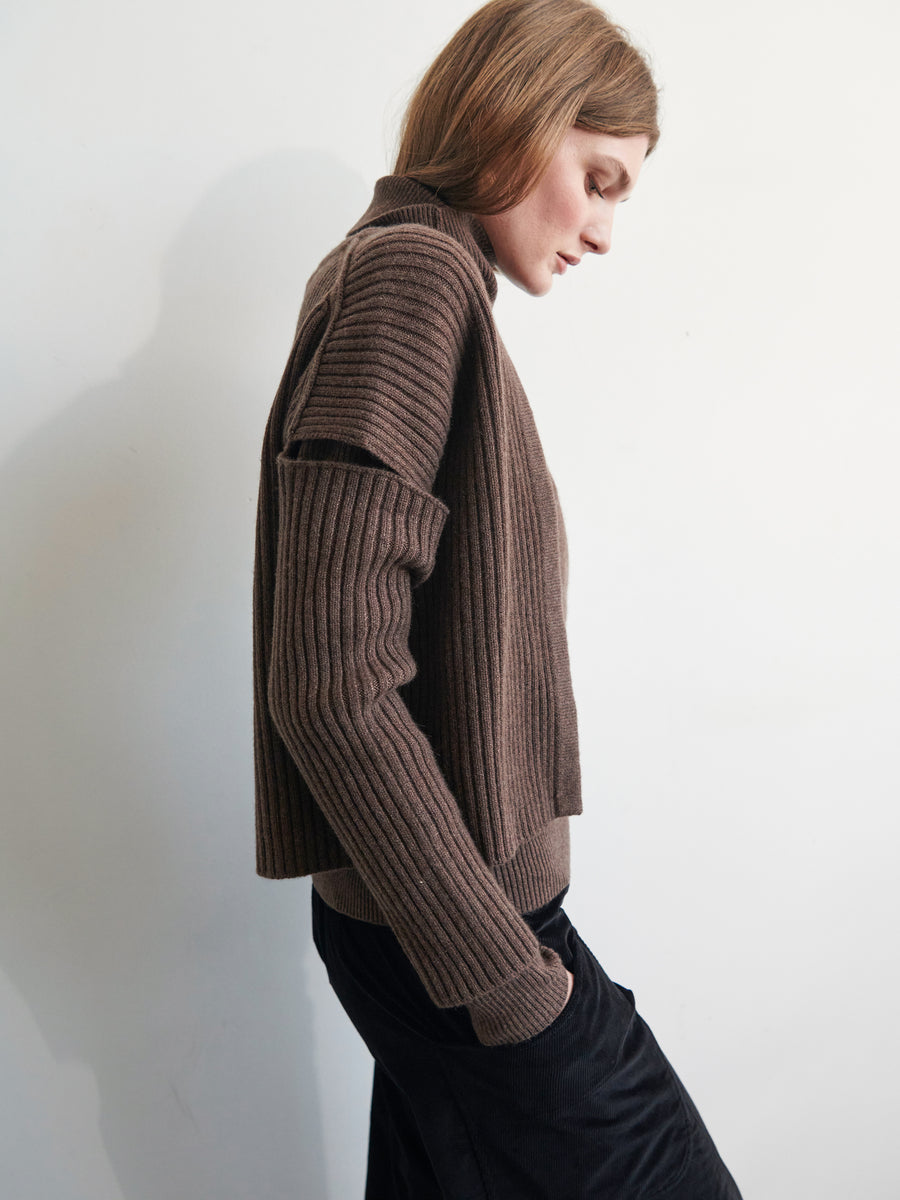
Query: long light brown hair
[491,110]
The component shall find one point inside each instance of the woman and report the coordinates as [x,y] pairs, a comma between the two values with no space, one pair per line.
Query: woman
[415,728]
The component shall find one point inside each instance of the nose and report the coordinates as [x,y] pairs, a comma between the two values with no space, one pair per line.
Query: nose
[597,237]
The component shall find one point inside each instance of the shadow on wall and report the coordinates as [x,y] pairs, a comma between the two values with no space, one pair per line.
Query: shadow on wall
[159,970]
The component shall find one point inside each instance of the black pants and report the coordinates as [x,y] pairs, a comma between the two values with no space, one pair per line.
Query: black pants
[589,1109]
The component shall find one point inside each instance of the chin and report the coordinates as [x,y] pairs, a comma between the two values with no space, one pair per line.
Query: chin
[534,287]
[535,282]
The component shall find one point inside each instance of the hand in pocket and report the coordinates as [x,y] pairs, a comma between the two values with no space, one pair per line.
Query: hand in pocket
[571,986]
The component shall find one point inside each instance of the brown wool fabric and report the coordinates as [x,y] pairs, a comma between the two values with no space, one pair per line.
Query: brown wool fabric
[415,732]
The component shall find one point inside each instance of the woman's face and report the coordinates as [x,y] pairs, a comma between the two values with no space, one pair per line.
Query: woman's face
[570,212]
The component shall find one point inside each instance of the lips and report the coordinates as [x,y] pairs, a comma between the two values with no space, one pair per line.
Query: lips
[566,260]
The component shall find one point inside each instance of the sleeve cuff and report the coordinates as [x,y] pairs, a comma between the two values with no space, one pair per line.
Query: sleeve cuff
[523,1007]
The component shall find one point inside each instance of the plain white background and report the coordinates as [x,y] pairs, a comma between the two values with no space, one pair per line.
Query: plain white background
[718,400]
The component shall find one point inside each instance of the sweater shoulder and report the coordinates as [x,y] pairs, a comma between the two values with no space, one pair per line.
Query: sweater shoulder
[416,259]
[406,310]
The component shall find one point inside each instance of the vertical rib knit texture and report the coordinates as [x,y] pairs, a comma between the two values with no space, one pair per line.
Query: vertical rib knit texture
[413,711]
[357,541]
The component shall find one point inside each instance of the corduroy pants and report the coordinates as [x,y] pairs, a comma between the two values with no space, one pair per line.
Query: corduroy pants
[589,1109]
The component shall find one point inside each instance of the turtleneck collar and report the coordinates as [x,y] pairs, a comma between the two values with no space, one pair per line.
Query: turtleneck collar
[400,200]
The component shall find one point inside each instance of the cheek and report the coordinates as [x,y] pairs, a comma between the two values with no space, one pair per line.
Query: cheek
[560,203]
[531,224]
[512,232]
[568,213]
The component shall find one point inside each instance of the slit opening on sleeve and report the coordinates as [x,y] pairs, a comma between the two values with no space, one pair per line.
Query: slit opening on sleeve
[333,450]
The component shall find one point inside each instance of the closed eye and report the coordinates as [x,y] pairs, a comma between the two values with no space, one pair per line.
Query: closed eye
[593,186]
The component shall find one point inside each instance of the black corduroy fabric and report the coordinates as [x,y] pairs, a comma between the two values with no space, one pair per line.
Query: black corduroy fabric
[589,1109]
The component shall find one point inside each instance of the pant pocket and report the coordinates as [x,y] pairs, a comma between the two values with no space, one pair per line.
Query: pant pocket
[650,1130]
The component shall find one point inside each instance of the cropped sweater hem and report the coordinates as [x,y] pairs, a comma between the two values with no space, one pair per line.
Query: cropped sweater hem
[533,876]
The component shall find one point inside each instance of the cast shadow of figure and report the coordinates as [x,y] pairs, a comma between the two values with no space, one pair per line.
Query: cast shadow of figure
[132,922]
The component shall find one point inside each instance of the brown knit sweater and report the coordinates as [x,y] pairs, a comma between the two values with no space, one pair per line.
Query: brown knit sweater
[415,730]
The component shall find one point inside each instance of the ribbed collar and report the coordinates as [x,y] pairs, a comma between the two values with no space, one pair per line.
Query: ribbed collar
[402,200]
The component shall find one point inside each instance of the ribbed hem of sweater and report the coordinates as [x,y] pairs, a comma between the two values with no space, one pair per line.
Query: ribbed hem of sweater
[538,871]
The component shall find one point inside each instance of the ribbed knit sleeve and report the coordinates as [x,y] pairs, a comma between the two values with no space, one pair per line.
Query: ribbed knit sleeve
[354,541]
[386,370]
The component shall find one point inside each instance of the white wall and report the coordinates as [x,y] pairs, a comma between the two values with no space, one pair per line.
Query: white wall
[718,402]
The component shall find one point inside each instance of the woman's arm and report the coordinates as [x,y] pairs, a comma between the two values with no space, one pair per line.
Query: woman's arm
[353,543]
[354,540]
